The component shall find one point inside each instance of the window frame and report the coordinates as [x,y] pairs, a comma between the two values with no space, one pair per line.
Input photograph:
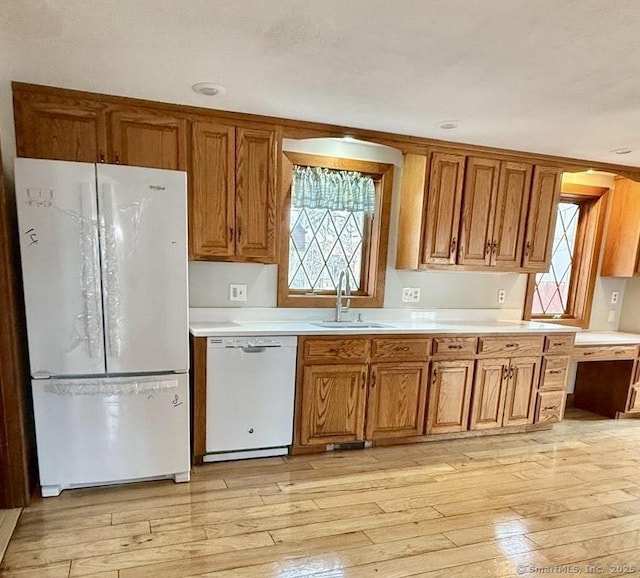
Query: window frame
[586,259]
[374,255]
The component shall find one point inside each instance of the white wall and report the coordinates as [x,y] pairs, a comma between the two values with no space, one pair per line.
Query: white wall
[447,290]
[630,315]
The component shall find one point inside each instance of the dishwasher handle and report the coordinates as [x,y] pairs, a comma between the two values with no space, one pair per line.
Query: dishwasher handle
[257,348]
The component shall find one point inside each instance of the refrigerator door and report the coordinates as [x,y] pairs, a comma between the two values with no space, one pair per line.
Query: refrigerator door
[143,237]
[104,430]
[57,219]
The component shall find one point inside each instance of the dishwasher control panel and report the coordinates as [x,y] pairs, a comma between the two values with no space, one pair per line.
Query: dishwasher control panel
[240,342]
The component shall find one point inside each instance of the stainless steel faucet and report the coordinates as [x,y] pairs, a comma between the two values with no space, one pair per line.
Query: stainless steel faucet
[340,308]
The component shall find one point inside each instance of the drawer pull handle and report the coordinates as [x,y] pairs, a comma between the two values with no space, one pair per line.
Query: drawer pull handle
[455,346]
[336,350]
[555,371]
[511,345]
[405,348]
[620,352]
[550,407]
[558,344]
[587,353]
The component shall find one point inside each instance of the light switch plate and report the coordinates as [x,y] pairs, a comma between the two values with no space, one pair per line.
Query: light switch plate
[237,292]
[612,315]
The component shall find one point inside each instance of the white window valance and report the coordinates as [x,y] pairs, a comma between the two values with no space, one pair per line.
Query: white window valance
[321,188]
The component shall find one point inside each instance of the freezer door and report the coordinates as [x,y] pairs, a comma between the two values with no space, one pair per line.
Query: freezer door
[143,238]
[57,219]
[96,431]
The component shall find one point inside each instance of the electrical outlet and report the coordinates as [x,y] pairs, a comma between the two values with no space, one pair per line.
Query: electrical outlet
[237,292]
[612,315]
[410,294]
[502,296]
[614,297]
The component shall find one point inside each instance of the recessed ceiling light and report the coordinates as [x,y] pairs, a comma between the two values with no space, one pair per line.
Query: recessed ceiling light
[622,151]
[208,88]
[448,124]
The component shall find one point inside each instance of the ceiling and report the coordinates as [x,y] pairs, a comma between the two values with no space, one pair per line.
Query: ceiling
[551,76]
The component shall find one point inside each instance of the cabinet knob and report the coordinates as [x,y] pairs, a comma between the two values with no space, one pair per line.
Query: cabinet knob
[454,244]
[250,430]
[230,233]
[527,248]
[117,159]
[101,158]
[487,249]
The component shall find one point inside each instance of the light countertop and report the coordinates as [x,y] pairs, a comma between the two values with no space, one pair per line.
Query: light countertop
[239,328]
[589,338]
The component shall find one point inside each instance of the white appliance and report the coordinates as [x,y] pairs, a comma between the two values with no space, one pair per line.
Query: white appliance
[104,263]
[250,395]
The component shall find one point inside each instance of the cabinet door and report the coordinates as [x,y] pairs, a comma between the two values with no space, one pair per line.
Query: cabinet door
[59,129]
[397,399]
[444,201]
[449,396]
[480,188]
[511,206]
[489,389]
[212,207]
[148,139]
[256,174]
[521,391]
[333,404]
[541,218]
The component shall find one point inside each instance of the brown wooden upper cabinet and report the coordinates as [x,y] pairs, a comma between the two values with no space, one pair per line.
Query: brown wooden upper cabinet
[145,138]
[622,242]
[442,216]
[479,213]
[541,221]
[494,209]
[68,129]
[233,193]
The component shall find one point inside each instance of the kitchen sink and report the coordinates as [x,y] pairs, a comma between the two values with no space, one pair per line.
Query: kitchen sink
[351,325]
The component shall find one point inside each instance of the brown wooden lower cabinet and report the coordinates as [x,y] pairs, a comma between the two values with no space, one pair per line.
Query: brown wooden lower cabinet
[521,391]
[489,390]
[449,396]
[333,403]
[504,392]
[397,400]
[353,389]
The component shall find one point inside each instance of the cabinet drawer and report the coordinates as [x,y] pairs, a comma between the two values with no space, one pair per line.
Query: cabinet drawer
[604,352]
[529,345]
[550,407]
[558,343]
[400,349]
[454,347]
[336,350]
[554,373]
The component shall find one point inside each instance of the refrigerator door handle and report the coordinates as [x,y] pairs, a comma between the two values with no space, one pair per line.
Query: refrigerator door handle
[91,287]
[111,281]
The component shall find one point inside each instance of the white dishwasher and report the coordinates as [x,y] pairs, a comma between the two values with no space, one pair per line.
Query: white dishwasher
[250,395]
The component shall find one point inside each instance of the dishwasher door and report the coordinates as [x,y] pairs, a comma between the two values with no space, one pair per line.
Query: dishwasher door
[250,393]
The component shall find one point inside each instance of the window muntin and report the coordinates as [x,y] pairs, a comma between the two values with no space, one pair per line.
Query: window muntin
[322,243]
[552,291]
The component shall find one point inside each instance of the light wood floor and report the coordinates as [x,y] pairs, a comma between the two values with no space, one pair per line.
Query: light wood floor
[492,506]
[8,521]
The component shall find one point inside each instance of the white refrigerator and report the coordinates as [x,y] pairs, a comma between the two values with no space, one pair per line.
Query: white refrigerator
[104,263]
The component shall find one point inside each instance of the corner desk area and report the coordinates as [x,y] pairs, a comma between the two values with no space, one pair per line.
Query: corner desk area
[608,373]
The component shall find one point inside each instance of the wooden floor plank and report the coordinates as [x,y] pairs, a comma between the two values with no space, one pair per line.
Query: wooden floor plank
[455,508]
